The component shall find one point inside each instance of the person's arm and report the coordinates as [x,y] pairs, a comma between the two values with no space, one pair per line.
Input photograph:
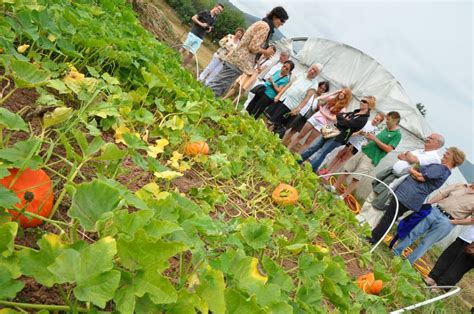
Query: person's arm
[443,193]
[196,20]
[410,158]
[417,175]
[386,148]
[465,221]
[258,39]
[277,97]
[306,98]
[225,40]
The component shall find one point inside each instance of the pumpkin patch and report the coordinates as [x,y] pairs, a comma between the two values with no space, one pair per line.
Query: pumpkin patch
[196,148]
[285,194]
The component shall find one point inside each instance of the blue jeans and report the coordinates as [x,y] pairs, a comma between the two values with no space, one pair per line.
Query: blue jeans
[435,226]
[319,150]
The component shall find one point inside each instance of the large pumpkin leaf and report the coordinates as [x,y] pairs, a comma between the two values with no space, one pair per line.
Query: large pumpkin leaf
[26,74]
[7,236]
[8,287]
[159,289]
[23,154]
[256,234]
[211,289]
[12,121]
[8,199]
[90,201]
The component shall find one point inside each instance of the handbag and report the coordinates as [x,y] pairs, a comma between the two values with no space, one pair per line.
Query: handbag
[330,131]
[258,89]
[469,249]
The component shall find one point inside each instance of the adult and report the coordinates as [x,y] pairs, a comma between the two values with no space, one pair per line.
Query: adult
[244,82]
[354,145]
[347,123]
[293,95]
[371,154]
[253,43]
[454,262]
[268,72]
[380,195]
[273,86]
[203,22]
[329,106]
[311,107]
[454,206]
[227,45]
[412,192]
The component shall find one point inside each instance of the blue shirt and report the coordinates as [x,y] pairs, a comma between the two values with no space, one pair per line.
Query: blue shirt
[279,81]
[412,193]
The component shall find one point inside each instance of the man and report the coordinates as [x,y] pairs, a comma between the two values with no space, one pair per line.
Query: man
[454,206]
[371,154]
[268,72]
[371,210]
[253,43]
[203,22]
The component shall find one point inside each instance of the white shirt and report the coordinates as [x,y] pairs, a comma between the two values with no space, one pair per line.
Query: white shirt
[273,70]
[467,234]
[424,158]
[311,102]
[359,140]
[293,96]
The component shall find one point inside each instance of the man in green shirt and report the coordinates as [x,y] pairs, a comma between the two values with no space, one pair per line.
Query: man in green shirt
[371,154]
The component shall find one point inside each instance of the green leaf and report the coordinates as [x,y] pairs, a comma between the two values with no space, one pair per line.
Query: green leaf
[8,287]
[8,198]
[35,263]
[125,295]
[104,110]
[23,154]
[186,304]
[237,303]
[110,151]
[277,275]
[27,74]
[336,272]
[110,79]
[57,116]
[90,201]
[159,289]
[130,223]
[7,238]
[147,253]
[12,121]
[59,86]
[158,228]
[211,289]
[256,234]
[98,290]
[66,266]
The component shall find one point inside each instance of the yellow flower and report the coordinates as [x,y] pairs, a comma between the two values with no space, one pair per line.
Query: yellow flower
[22,48]
[158,148]
[168,175]
[174,160]
[255,271]
[74,75]
[154,189]
[184,166]
[119,132]
[51,38]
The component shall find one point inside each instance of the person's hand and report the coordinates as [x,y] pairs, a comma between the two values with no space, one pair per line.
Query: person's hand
[277,98]
[204,25]
[370,136]
[270,79]
[269,52]
[209,29]
[295,111]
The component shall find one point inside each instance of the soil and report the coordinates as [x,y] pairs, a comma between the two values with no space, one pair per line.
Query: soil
[35,293]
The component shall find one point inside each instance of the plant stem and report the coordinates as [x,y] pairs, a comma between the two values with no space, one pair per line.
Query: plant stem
[51,307]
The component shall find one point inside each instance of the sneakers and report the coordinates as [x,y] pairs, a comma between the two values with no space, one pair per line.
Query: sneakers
[339,197]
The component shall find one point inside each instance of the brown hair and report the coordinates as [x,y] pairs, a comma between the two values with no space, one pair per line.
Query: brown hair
[370,102]
[335,104]
[381,115]
[395,115]
[240,29]
[458,156]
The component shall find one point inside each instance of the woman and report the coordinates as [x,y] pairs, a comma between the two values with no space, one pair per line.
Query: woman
[292,96]
[412,192]
[329,106]
[306,112]
[254,43]
[354,145]
[454,262]
[347,123]
[245,81]
[273,86]
[227,45]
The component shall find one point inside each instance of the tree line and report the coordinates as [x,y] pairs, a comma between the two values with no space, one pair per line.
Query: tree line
[226,23]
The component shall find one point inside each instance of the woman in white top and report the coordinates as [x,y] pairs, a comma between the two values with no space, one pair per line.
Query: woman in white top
[329,106]
[227,45]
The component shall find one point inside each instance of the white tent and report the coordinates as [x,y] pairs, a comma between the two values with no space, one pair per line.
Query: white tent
[346,66]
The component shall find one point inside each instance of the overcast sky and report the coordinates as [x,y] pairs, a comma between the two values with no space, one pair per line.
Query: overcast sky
[426,45]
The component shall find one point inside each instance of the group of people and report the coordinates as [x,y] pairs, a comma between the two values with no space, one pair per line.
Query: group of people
[314,121]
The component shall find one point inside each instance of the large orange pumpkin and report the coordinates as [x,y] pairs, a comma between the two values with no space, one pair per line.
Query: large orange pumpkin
[196,148]
[35,191]
[368,284]
[285,194]
[376,287]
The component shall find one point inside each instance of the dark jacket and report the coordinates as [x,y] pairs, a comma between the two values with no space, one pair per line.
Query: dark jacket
[349,123]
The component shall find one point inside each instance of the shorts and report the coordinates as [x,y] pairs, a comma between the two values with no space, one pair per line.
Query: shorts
[192,43]
[297,123]
[318,125]
[359,163]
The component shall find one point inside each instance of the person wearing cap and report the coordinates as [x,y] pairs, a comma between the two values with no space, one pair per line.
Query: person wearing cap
[293,95]
[347,123]
[452,206]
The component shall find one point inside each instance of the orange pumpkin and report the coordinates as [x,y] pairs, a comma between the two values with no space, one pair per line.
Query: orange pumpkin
[376,287]
[35,191]
[285,194]
[196,148]
[365,282]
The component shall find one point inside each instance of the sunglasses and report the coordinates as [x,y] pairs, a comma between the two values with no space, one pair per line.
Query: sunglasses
[364,101]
